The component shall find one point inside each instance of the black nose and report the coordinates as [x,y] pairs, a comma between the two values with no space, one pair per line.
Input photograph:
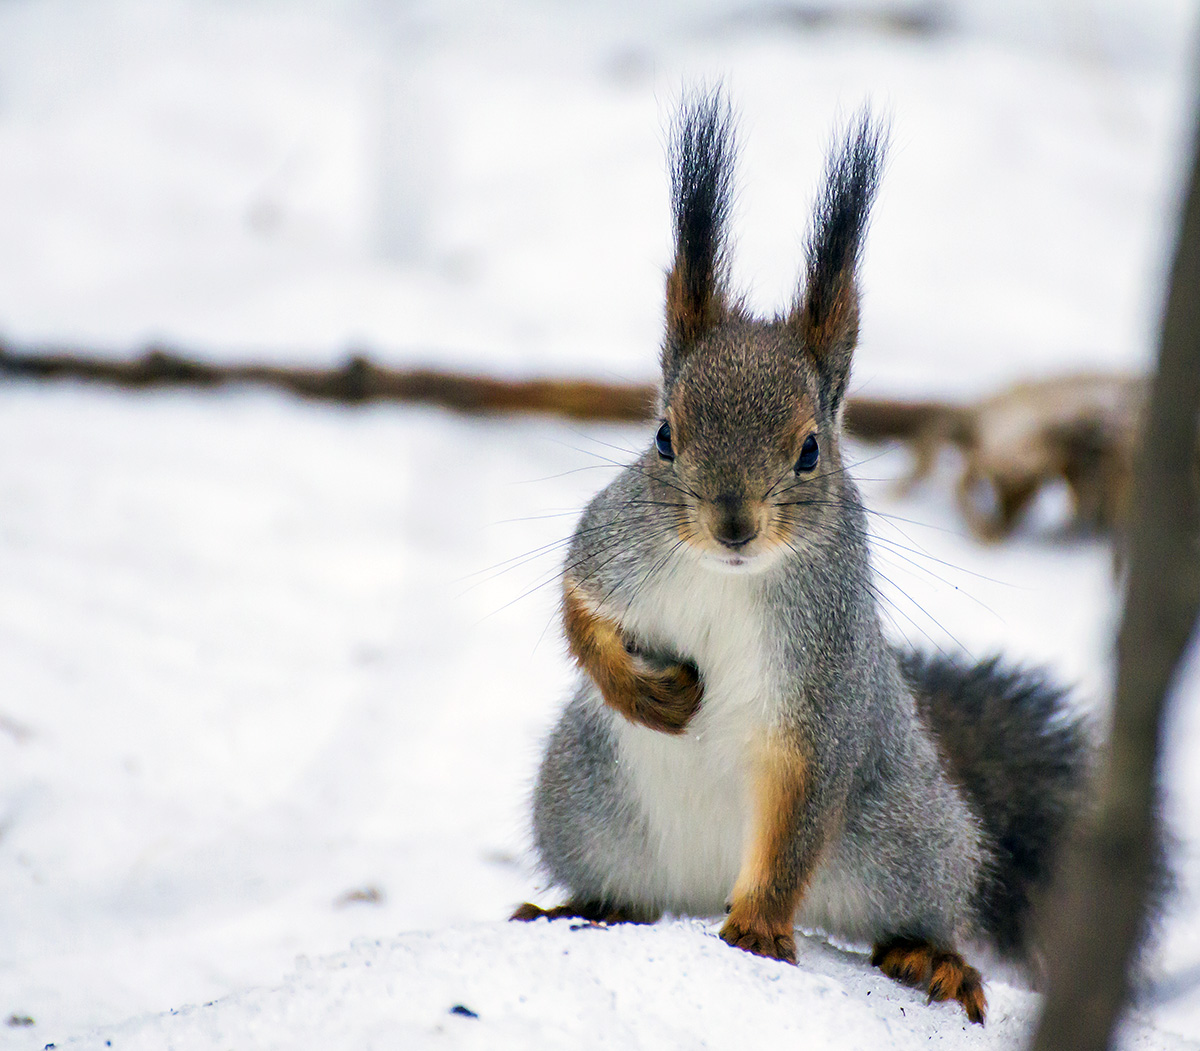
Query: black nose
[736,535]
[734,528]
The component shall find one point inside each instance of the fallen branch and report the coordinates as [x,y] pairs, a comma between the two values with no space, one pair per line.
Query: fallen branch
[358,380]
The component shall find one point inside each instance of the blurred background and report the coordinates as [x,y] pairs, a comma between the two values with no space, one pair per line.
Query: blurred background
[273,675]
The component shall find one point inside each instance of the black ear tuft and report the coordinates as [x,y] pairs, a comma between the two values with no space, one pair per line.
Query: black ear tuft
[826,311]
[701,156]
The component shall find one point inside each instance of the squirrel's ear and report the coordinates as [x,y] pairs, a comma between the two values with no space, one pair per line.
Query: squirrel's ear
[825,313]
[701,156]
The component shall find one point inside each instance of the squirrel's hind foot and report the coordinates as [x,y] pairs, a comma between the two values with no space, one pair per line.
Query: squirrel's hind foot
[943,973]
[593,911]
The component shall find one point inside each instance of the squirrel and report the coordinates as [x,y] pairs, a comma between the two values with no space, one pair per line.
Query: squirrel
[743,738]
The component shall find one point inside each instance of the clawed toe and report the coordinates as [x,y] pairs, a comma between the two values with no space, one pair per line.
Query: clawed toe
[761,941]
[528,912]
[593,912]
[944,974]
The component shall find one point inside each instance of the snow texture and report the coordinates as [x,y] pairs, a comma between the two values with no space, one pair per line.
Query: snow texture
[273,676]
[560,986]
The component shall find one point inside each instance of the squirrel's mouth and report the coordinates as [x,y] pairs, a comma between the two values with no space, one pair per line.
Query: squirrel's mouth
[732,536]
[735,561]
[753,556]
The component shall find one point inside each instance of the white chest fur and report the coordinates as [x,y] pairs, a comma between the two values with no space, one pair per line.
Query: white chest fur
[693,788]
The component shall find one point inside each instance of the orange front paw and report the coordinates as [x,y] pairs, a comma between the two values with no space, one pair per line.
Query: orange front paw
[661,692]
[666,697]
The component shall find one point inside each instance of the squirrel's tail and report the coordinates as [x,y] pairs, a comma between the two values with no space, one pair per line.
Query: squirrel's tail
[1024,759]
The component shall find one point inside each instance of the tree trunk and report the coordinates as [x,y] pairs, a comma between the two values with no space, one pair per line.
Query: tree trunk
[1100,901]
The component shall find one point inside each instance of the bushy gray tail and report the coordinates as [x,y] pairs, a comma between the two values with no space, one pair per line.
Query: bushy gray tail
[1024,759]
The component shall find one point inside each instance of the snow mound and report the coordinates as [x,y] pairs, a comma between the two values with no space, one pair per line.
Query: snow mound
[581,986]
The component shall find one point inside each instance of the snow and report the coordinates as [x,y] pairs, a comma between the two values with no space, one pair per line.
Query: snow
[255,671]
[273,676]
[676,985]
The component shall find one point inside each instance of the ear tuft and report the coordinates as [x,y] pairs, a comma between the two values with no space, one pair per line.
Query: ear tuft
[825,314]
[701,156]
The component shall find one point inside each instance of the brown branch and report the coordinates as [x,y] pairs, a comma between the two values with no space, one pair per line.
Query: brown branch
[880,419]
[359,380]
[356,381]
[1100,904]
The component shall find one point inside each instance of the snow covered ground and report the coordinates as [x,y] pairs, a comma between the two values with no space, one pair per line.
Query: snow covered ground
[273,676]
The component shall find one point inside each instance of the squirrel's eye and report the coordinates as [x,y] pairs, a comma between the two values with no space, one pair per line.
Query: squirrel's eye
[809,455]
[662,442]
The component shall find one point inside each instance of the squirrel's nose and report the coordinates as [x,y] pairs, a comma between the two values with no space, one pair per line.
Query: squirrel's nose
[739,539]
[734,526]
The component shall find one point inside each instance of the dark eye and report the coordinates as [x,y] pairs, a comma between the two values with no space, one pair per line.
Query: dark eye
[809,455]
[662,442]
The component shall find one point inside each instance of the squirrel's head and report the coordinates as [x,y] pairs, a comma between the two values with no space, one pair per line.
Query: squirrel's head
[751,409]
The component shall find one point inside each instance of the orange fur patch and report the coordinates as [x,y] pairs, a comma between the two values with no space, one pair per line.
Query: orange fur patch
[769,887]
[692,311]
[836,323]
[662,698]
[943,973]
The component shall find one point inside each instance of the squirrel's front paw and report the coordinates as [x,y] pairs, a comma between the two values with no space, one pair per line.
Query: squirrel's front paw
[757,935]
[666,696]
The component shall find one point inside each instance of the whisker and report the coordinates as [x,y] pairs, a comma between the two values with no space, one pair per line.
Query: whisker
[916,550]
[535,518]
[898,550]
[678,486]
[655,568]
[500,568]
[663,531]
[560,474]
[555,575]
[599,441]
[885,601]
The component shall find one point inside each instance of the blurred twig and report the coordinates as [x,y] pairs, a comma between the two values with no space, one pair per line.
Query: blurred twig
[356,381]
[360,380]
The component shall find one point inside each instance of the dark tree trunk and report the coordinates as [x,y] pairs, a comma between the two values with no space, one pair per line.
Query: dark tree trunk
[1099,912]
